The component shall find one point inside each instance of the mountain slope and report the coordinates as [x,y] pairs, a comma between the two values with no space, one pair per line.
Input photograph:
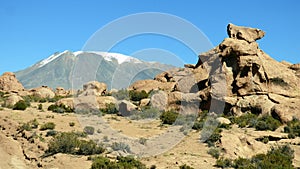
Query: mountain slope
[72,69]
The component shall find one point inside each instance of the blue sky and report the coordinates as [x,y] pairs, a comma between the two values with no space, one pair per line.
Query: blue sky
[33,30]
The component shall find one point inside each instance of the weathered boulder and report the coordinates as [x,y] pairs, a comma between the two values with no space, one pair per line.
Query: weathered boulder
[151,85]
[9,82]
[43,92]
[125,107]
[159,100]
[61,92]
[144,102]
[104,100]
[295,66]
[69,102]
[244,33]
[94,88]
[12,99]
[223,120]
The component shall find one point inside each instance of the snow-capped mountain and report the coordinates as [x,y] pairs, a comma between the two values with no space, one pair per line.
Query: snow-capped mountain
[117,70]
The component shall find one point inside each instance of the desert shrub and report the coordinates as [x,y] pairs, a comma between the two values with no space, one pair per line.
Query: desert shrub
[169,117]
[185,167]
[71,124]
[21,105]
[199,123]
[110,108]
[278,81]
[89,147]
[279,157]
[293,128]
[33,124]
[60,108]
[69,143]
[214,152]
[121,94]
[143,141]
[51,133]
[40,107]
[214,137]
[121,163]
[89,130]
[121,146]
[47,126]
[267,123]
[137,95]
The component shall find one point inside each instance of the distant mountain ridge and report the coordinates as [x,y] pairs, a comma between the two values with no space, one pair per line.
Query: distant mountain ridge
[116,70]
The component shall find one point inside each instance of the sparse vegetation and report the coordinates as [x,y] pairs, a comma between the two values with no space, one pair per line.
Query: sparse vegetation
[279,81]
[279,157]
[69,143]
[60,108]
[33,124]
[40,107]
[185,167]
[214,152]
[137,95]
[71,124]
[47,126]
[122,162]
[169,117]
[121,146]
[21,105]
[293,128]
[110,108]
[265,122]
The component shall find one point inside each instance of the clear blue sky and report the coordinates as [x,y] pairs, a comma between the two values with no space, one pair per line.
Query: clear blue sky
[32,30]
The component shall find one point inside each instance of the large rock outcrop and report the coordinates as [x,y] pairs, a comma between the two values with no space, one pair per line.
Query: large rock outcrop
[9,82]
[236,76]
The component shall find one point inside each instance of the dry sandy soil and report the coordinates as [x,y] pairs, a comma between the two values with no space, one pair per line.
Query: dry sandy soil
[188,151]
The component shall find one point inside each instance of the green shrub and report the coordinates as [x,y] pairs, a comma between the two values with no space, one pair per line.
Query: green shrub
[21,105]
[277,158]
[33,124]
[120,146]
[110,108]
[51,133]
[69,143]
[185,167]
[60,108]
[137,95]
[199,123]
[121,163]
[214,152]
[293,128]
[265,122]
[279,81]
[71,124]
[89,130]
[40,107]
[47,126]
[169,117]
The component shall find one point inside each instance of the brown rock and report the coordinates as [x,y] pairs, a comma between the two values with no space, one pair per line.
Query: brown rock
[103,100]
[12,100]
[61,92]
[295,66]
[95,88]
[244,33]
[69,102]
[151,85]
[144,102]
[159,100]
[9,82]
[125,107]
[43,92]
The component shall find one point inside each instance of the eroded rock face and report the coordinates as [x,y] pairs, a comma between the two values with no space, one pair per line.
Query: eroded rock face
[43,92]
[244,33]
[9,82]
[95,88]
[12,100]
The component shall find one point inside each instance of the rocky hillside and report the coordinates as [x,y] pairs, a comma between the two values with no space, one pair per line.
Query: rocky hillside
[236,108]
[237,76]
[62,69]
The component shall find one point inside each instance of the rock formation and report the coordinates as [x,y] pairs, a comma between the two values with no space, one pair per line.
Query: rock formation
[9,82]
[236,76]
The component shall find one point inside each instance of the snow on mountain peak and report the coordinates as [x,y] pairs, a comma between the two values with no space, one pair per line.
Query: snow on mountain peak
[110,56]
[51,58]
